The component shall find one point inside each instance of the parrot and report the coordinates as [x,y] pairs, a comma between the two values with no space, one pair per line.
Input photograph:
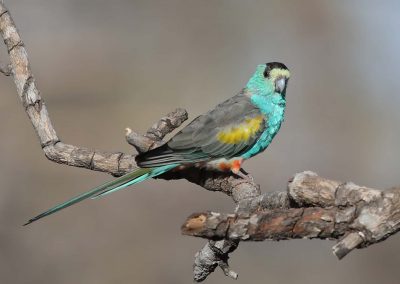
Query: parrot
[219,140]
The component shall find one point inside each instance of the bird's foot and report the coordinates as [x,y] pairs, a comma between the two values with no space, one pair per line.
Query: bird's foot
[243,174]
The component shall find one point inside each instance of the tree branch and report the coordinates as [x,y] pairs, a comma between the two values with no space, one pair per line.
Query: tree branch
[312,207]
[319,208]
[155,134]
[109,162]
[54,149]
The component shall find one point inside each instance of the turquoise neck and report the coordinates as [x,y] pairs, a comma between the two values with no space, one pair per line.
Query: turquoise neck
[273,108]
[257,83]
[263,93]
[271,104]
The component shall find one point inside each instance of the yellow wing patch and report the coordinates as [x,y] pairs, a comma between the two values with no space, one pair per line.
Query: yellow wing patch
[242,132]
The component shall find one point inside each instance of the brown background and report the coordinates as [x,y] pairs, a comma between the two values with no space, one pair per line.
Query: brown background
[104,65]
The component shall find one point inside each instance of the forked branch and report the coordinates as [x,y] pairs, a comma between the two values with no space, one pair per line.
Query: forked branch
[312,207]
[319,208]
[109,162]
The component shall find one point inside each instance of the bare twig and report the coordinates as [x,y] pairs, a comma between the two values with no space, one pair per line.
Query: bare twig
[54,149]
[155,134]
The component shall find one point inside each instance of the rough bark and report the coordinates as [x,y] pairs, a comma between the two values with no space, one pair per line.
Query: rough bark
[312,207]
[319,208]
[113,163]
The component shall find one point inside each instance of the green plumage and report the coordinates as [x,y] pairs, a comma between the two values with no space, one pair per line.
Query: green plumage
[97,190]
[199,143]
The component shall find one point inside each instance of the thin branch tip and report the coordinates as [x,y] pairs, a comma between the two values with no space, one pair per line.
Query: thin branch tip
[128,131]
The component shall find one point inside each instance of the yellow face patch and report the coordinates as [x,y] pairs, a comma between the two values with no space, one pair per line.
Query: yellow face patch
[242,132]
[279,73]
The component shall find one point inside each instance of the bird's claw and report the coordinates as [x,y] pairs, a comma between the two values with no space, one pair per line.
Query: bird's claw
[244,175]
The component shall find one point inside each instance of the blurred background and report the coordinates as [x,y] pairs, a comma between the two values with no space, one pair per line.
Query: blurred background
[102,66]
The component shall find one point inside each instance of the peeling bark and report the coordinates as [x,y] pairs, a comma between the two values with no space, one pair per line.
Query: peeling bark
[319,208]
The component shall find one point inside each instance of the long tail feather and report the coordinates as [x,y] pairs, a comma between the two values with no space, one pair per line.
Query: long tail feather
[111,186]
[153,173]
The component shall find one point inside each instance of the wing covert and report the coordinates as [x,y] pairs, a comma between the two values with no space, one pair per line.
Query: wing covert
[227,131]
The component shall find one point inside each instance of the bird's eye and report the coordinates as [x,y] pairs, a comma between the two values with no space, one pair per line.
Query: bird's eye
[266,71]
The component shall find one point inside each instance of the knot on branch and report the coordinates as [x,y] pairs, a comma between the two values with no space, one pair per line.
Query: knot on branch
[6,69]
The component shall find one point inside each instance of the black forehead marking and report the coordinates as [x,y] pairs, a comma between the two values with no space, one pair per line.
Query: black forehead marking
[273,65]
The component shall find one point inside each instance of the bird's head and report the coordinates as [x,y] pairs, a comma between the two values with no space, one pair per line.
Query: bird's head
[270,78]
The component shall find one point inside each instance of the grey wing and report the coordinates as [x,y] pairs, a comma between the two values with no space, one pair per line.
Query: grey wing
[199,141]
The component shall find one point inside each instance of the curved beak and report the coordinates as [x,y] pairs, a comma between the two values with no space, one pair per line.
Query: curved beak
[280,85]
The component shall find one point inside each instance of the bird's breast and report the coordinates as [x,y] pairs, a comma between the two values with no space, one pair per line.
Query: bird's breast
[274,121]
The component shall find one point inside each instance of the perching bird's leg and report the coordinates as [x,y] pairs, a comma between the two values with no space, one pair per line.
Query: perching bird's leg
[244,175]
[236,168]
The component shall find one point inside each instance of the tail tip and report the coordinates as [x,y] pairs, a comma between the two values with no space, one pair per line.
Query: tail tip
[32,220]
[27,223]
